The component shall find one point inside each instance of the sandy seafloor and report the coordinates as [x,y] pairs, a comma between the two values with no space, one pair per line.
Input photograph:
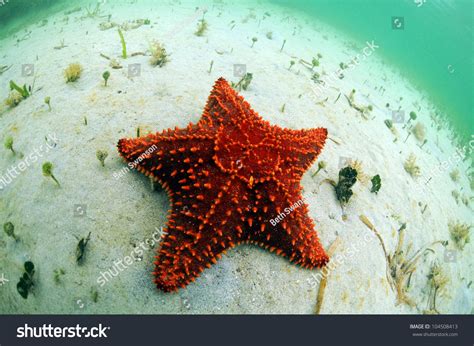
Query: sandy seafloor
[120,213]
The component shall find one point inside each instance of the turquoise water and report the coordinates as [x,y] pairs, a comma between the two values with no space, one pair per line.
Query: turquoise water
[434,49]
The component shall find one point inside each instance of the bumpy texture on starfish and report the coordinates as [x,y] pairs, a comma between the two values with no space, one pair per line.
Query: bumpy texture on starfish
[229,177]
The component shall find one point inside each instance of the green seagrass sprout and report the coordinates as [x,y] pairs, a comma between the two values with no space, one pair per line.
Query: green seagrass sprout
[243,83]
[24,92]
[254,39]
[101,156]
[9,229]
[106,76]
[412,117]
[210,67]
[9,144]
[47,100]
[124,45]
[321,165]
[388,123]
[48,171]
[57,275]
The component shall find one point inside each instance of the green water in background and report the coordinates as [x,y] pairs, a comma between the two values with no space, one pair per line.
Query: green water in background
[434,50]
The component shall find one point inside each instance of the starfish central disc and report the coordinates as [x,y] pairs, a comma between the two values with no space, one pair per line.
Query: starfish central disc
[246,150]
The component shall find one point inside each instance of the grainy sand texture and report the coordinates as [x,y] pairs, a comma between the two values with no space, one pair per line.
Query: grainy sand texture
[122,211]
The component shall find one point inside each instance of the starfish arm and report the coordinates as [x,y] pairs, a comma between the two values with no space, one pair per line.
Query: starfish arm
[224,106]
[299,148]
[285,227]
[196,240]
[169,156]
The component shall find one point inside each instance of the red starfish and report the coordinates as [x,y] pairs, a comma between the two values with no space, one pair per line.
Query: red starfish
[231,178]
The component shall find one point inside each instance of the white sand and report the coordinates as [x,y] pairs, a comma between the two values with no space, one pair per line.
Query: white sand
[122,213]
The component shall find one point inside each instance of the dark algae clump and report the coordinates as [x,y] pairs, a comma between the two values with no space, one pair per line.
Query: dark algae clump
[376,184]
[26,281]
[347,179]
[81,248]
